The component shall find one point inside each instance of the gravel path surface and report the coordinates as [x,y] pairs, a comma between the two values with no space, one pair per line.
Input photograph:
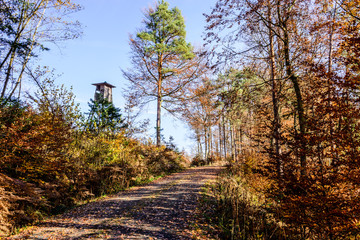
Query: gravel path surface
[161,210]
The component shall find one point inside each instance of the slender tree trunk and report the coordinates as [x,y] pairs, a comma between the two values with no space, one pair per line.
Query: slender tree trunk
[159,102]
[8,74]
[12,52]
[158,120]
[232,141]
[206,142]
[241,140]
[330,63]
[238,143]
[198,139]
[27,58]
[301,116]
[200,149]
[220,142]
[217,142]
[236,137]
[28,54]
[274,89]
[210,142]
[299,101]
[224,138]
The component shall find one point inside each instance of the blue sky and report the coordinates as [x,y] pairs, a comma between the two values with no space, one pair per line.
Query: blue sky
[103,50]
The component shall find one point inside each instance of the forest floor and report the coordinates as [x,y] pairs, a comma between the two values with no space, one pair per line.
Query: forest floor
[164,209]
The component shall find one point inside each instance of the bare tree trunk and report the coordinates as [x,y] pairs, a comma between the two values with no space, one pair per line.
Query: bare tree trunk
[158,119]
[198,139]
[299,102]
[201,153]
[330,63]
[159,100]
[8,74]
[232,141]
[241,150]
[210,142]
[274,90]
[206,142]
[28,54]
[23,22]
[224,138]
[300,111]
[220,142]
[218,146]
[238,140]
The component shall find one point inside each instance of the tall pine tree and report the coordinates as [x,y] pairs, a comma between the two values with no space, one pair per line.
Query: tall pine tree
[163,63]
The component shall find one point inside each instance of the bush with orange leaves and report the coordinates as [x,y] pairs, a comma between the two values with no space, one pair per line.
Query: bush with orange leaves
[47,165]
[32,159]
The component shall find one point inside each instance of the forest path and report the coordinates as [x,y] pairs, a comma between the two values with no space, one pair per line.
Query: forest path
[161,210]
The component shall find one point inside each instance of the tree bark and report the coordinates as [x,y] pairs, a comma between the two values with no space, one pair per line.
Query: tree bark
[7,76]
[299,102]
[224,138]
[220,140]
[158,120]
[275,100]
[159,101]
[206,142]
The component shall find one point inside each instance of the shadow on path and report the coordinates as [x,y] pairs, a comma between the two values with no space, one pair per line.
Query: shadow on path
[160,210]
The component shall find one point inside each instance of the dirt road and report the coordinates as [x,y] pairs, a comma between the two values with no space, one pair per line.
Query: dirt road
[160,210]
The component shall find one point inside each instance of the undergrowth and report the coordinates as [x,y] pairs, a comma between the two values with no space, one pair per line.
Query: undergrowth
[236,204]
[47,166]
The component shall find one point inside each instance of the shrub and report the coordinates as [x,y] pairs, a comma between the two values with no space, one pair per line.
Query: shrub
[242,209]
[198,161]
[47,166]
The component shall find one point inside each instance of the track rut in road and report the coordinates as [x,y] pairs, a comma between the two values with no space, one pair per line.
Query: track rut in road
[160,210]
